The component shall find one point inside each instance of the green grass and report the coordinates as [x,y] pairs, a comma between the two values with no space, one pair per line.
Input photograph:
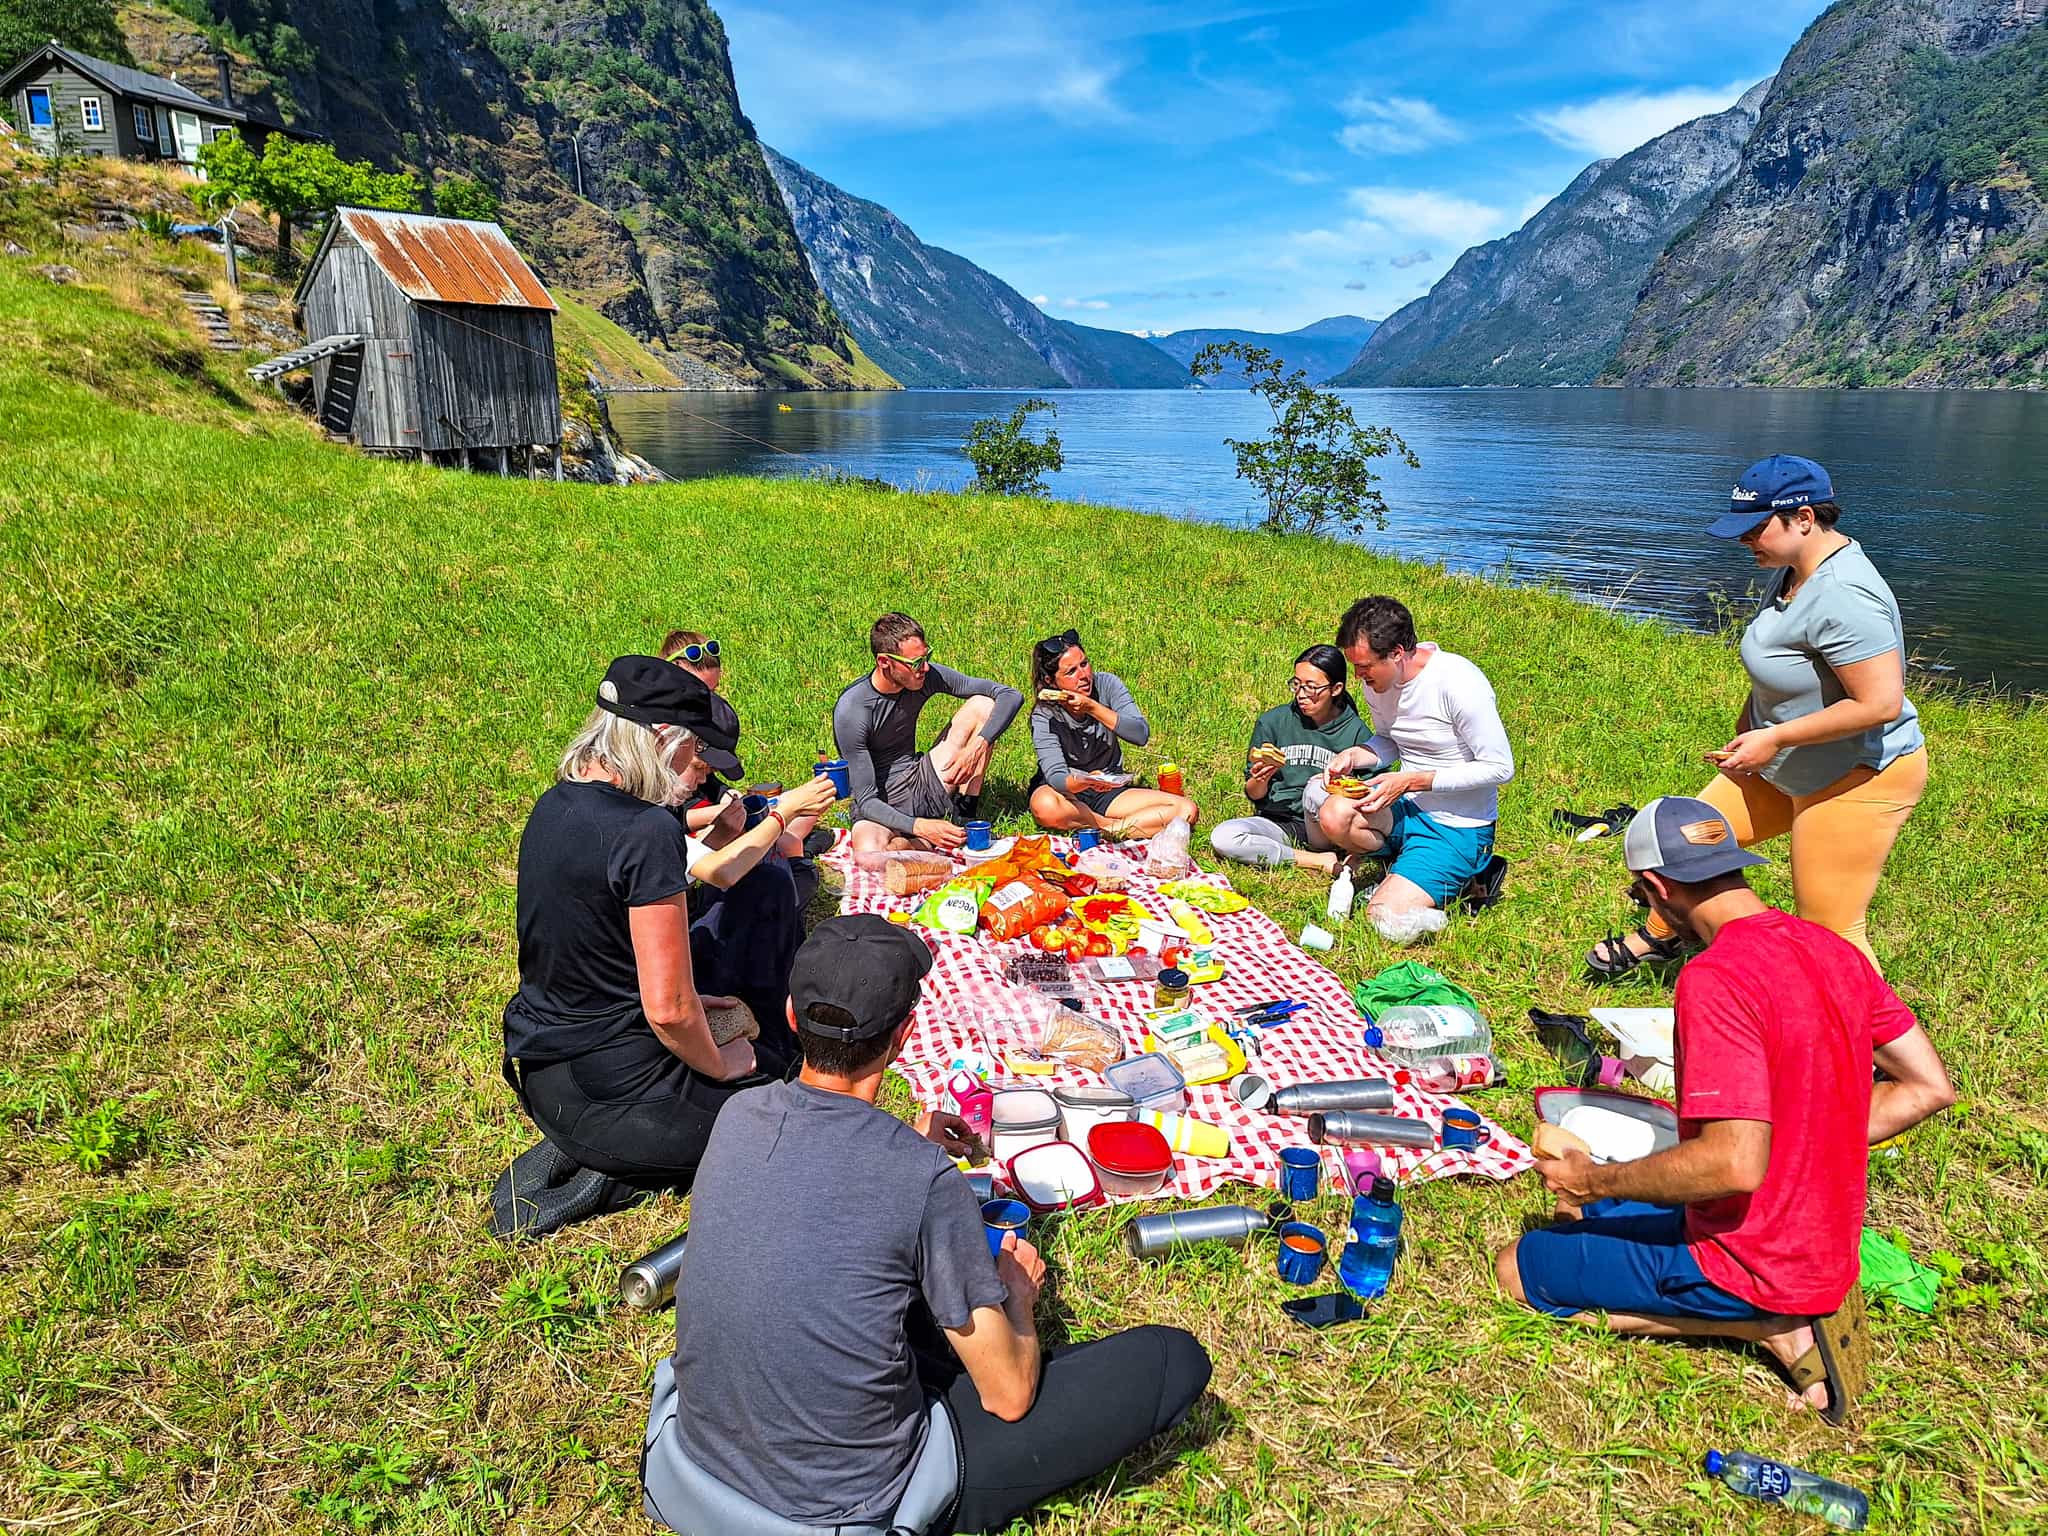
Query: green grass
[271,716]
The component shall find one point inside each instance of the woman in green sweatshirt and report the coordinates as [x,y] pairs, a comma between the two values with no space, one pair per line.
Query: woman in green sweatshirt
[1321,722]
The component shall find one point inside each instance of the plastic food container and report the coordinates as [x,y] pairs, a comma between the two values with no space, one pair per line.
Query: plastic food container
[1022,1118]
[1618,1127]
[1151,1082]
[1082,1109]
[1055,1176]
[1130,1158]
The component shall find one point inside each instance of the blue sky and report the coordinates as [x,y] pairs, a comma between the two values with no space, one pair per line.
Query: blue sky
[1153,166]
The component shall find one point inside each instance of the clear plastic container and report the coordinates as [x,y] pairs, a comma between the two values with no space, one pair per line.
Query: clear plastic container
[1130,1159]
[1082,1109]
[1054,1176]
[1022,1118]
[1151,1081]
[1107,969]
[1413,1033]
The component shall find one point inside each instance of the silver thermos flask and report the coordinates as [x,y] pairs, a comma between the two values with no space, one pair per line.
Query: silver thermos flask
[650,1282]
[1350,1125]
[1152,1237]
[1352,1093]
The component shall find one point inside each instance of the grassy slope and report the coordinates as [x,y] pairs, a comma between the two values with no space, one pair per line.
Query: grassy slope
[270,719]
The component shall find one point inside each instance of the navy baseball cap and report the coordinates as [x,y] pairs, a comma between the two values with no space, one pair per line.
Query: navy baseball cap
[867,970]
[1777,484]
[1684,839]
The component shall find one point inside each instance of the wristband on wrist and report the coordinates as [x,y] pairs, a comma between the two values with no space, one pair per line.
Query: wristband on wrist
[781,825]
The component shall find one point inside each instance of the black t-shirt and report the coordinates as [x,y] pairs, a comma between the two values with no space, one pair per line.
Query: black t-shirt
[590,851]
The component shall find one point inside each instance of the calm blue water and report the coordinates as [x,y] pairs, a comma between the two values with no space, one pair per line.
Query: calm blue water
[1603,490]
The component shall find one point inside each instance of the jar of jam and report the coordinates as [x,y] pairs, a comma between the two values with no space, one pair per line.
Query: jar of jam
[1169,778]
[1171,989]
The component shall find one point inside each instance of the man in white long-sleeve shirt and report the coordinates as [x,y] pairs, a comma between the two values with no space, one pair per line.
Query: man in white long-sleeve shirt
[1432,712]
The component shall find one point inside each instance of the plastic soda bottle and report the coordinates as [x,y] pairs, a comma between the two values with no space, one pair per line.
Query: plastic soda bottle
[1367,1263]
[1775,1483]
[1453,1074]
[1415,1032]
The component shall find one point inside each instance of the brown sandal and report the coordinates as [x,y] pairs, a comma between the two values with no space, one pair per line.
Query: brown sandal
[1840,1357]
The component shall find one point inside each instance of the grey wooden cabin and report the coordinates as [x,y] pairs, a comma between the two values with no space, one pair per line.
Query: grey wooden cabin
[429,338]
[99,108]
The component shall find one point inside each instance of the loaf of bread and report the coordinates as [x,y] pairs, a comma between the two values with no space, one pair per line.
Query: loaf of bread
[909,874]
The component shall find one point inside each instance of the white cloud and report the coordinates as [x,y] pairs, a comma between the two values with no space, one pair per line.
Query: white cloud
[1084,304]
[1393,125]
[1614,125]
[1041,300]
[1435,216]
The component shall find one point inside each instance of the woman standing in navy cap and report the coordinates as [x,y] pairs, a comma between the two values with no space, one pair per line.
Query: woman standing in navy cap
[1827,747]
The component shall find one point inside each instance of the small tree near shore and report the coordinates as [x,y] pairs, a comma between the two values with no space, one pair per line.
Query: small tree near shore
[1314,468]
[1006,461]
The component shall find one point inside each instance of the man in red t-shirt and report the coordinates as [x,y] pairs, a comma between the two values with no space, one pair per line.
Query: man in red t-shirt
[1749,1227]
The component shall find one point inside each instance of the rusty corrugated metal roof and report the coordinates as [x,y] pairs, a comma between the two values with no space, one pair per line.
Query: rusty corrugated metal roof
[447,261]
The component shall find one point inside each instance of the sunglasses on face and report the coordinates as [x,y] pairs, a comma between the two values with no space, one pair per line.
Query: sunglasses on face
[904,661]
[1060,644]
[708,651]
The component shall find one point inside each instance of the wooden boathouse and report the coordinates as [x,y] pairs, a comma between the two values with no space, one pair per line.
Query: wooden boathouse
[429,338]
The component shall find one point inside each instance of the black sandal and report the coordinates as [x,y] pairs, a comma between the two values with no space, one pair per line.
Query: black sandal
[1611,822]
[1612,956]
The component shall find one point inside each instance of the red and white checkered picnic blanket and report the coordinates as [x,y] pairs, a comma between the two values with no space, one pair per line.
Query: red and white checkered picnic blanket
[966,993]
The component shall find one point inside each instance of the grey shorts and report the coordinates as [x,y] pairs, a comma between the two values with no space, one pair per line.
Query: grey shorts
[915,790]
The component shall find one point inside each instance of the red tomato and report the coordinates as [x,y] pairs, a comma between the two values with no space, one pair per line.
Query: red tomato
[1098,944]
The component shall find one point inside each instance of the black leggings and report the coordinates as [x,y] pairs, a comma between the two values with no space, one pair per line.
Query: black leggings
[1096,1404]
[631,1109]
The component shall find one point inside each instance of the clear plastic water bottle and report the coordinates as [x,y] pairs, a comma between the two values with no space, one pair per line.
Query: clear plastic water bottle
[1775,1483]
[1456,1074]
[1367,1263]
[1413,1033]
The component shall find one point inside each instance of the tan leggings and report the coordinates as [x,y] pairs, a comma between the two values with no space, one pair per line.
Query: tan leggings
[1841,836]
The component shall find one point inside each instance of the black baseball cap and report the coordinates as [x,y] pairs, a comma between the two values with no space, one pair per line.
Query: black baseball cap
[649,691]
[865,966]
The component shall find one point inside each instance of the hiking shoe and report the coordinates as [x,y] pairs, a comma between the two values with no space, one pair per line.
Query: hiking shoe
[1483,890]
[545,1190]
[818,842]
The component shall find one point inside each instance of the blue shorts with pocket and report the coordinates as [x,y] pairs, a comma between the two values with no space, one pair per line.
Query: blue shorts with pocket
[1623,1256]
[1441,860]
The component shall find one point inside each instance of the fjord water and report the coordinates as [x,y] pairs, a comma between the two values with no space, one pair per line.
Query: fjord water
[1605,491]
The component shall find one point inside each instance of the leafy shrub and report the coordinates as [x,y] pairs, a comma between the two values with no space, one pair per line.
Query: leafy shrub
[465,197]
[158,225]
[1007,462]
[103,1139]
[1314,468]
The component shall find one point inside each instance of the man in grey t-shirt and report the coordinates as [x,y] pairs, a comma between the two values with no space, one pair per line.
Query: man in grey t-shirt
[838,1277]
[903,798]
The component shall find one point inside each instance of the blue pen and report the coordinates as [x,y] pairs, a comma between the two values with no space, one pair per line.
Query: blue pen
[1274,1016]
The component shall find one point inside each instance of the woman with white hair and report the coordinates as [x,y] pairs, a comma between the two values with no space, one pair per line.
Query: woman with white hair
[608,1041]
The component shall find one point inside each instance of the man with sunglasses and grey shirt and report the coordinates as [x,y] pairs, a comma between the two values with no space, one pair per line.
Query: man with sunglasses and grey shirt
[903,798]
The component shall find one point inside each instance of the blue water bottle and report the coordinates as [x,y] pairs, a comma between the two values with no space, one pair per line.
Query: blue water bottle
[1367,1263]
[1775,1483]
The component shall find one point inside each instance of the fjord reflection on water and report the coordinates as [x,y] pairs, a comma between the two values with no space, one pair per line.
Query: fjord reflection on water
[1603,490]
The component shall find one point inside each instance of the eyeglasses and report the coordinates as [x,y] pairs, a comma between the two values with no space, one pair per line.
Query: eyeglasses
[916,665]
[1060,644]
[1309,690]
[708,651]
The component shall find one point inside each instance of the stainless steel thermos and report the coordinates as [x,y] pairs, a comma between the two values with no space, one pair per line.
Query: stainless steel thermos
[1351,1093]
[1350,1125]
[650,1282]
[1151,1237]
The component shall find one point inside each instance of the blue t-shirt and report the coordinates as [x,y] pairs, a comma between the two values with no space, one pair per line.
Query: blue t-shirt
[1845,613]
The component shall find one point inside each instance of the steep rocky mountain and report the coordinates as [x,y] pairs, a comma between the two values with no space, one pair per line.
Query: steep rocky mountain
[1319,350]
[611,131]
[1548,303]
[1888,222]
[937,321]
